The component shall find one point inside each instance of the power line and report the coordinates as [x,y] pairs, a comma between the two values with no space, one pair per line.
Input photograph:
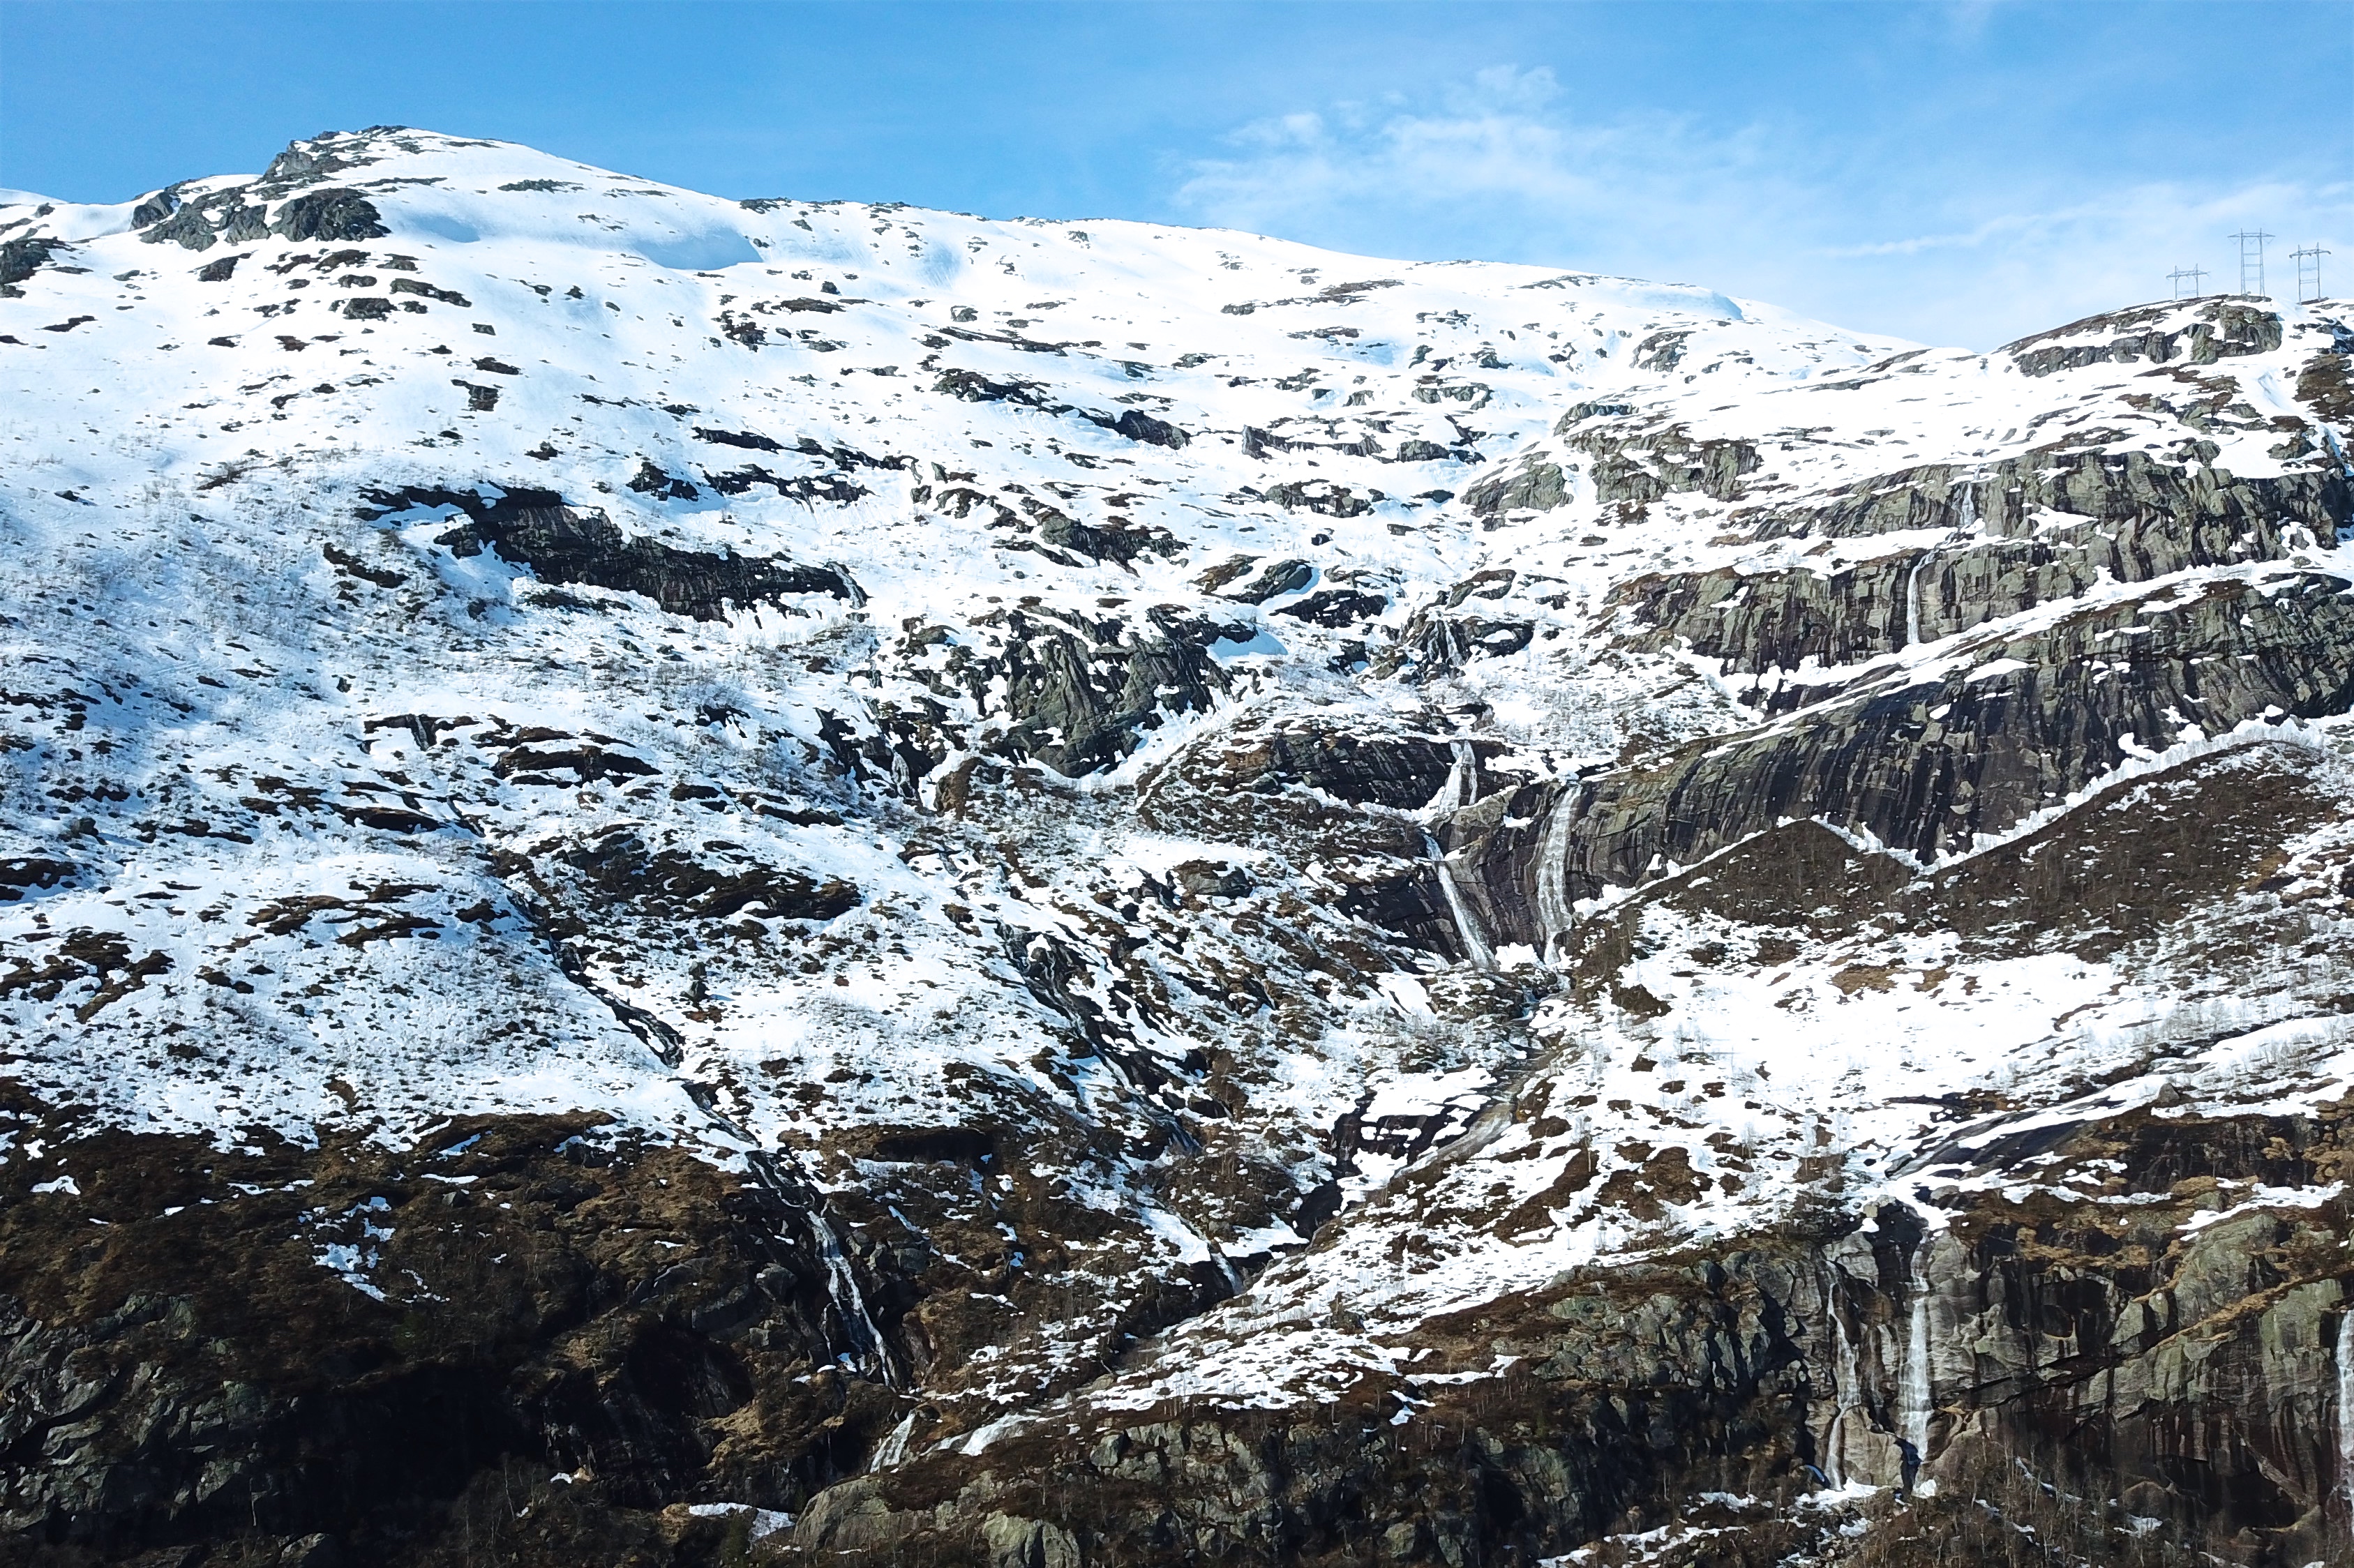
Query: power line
[2252,259]
[2308,259]
[2197,276]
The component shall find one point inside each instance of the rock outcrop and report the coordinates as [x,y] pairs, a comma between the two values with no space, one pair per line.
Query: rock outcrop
[535,529]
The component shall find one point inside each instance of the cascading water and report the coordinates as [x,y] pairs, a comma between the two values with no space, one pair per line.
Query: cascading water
[1467,924]
[1458,654]
[873,1353]
[1461,790]
[1848,1385]
[894,1447]
[1462,786]
[2346,1409]
[1554,912]
[1847,1381]
[1967,526]
[1915,1398]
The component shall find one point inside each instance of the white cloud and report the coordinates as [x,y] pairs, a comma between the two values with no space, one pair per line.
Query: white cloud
[1868,235]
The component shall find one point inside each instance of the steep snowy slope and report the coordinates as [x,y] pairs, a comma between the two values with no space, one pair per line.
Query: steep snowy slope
[1111,830]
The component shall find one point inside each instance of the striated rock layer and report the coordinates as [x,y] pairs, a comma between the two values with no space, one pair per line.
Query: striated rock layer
[699,881]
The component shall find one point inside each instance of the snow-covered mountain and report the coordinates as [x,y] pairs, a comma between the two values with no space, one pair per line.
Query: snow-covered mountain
[1062,893]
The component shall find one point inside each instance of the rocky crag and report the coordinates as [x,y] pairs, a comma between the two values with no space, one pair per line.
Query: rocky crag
[693,882]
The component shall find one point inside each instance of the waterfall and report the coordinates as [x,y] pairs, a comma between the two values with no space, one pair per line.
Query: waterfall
[1553,913]
[1847,1381]
[894,1448]
[1462,786]
[2346,1405]
[1916,1399]
[1962,530]
[850,1303]
[1467,924]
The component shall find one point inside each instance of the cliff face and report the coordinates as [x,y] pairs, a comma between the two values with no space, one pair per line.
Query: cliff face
[884,888]
[2116,1293]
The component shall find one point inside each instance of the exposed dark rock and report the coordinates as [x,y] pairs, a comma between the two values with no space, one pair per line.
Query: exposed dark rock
[1435,642]
[539,755]
[1322,497]
[1633,467]
[1138,425]
[678,887]
[651,481]
[2110,487]
[2324,385]
[1271,1090]
[22,873]
[1660,351]
[807,487]
[1727,1371]
[328,215]
[1403,772]
[2227,327]
[20,258]
[412,286]
[973,387]
[1276,578]
[198,225]
[534,528]
[1535,486]
[2144,519]
[1926,767]
[1076,696]
[1337,607]
[1343,795]
[748,440]
[202,1378]
[323,156]
[155,208]
[1120,543]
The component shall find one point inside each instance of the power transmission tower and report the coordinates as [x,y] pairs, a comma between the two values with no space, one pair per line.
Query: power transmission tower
[2308,259]
[2252,259]
[2197,275]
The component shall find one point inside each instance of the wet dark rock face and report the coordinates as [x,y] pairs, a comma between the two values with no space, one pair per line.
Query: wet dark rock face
[1925,768]
[2123,1344]
[2188,498]
[2143,519]
[1759,1372]
[196,1386]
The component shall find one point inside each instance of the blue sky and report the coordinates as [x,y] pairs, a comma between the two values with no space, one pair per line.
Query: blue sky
[1953,173]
